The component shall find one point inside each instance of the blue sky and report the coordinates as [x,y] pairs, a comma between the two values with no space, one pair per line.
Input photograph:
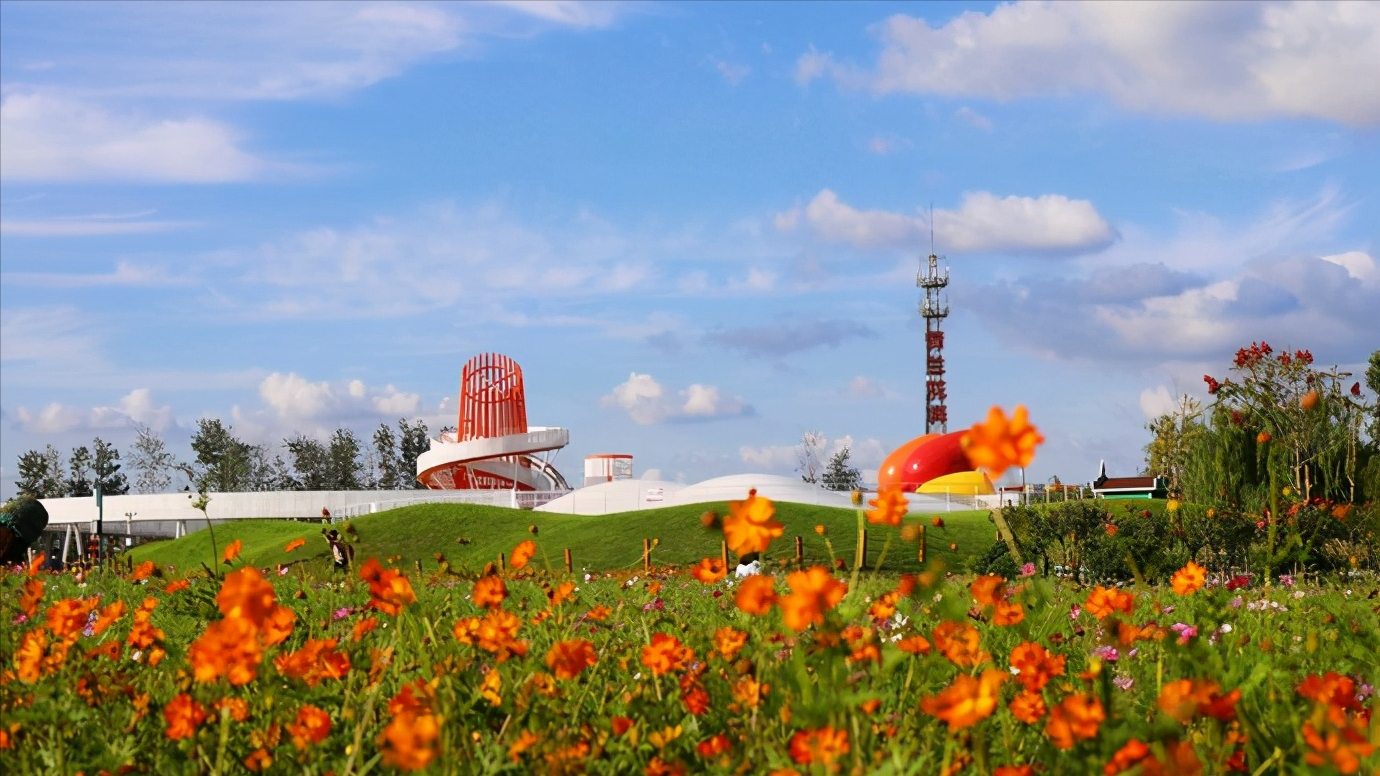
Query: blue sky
[696,226]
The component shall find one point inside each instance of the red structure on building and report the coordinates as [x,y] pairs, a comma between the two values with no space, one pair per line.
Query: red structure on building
[934,309]
[492,446]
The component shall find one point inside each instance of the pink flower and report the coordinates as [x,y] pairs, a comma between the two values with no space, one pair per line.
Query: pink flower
[341,613]
[1028,570]
[1075,612]
[1185,631]
[1107,653]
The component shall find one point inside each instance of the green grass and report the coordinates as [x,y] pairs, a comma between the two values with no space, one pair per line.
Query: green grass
[597,543]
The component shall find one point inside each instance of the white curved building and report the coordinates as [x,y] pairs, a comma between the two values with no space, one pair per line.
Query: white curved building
[616,496]
[776,487]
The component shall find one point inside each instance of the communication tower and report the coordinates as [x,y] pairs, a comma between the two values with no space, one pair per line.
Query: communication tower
[934,308]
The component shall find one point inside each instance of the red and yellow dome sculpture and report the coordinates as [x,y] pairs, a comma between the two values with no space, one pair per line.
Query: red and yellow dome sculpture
[933,463]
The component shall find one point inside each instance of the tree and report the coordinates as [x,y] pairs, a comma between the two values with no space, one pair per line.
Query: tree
[1373,383]
[839,475]
[41,474]
[151,460]
[413,442]
[1172,435]
[386,458]
[223,459]
[266,470]
[309,463]
[342,461]
[105,464]
[79,482]
[809,454]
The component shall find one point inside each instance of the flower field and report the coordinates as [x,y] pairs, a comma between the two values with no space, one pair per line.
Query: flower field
[802,669]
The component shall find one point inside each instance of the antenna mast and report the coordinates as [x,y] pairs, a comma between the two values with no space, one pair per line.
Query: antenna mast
[934,309]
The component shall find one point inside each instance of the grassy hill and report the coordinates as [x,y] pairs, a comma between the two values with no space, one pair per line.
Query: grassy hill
[471,535]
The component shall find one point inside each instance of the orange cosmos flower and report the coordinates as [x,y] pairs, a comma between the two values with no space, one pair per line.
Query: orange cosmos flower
[988,590]
[277,626]
[598,613]
[756,594]
[1127,757]
[1077,718]
[1262,437]
[521,554]
[67,617]
[1189,579]
[665,654]
[1035,666]
[36,565]
[1183,699]
[142,571]
[568,658]
[889,506]
[960,643]
[998,443]
[237,708]
[714,746]
[1336,691]
[107,617]
[497,633]
[362,628]
[232,551]
[561,593]
[709,571]
[749,526]
[915,645]
[1014,770]
[246,594]
[258,760]
[1103,601]
[822,746]
[176,585]
[295,544]
[29,657]
[311,727]
[410,740]
[183,715]
[1028,707]
[32,596]
[492,687]
[813,592]
[967,701]
[621,725]
[1008,613]
[229,648]
[389,590]
[1342,747]
[489,592]
[316,660]
[728,641]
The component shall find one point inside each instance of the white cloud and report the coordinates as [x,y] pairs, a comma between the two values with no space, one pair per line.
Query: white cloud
[973,118]
[647,402]
[124,274]
[865,387]
[1155,402]
[732,73]
[293,399]
[569,13]
[87,226]
[1231,61]
[769,457]
[50,139]
[135,407]
[984,222]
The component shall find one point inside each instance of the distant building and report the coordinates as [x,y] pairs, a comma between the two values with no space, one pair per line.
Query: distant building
[1147,487]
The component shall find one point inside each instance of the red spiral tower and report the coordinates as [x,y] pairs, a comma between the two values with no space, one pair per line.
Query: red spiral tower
[492,447]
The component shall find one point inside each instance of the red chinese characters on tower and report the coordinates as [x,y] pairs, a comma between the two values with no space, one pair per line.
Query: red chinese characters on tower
[934,365]
[937,414]
[934,340]
[935,390]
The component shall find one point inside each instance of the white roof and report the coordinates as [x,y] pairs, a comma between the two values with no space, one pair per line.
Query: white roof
[615,496]
[735,487]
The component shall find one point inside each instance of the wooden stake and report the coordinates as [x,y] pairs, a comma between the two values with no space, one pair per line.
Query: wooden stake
[723,554]
[646,554]
[502,562]
[862,556]
[922,544]
[569,567]
[418,564]
[799,551]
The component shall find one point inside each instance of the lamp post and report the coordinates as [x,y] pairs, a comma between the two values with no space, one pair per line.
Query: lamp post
[100,523]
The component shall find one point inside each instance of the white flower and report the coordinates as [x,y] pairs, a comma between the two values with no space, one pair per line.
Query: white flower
[1226,627]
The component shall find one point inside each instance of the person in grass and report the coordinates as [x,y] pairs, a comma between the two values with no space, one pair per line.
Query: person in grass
[341,553]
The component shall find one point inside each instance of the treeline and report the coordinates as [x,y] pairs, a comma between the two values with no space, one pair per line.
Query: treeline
[1275,422]
[223,462]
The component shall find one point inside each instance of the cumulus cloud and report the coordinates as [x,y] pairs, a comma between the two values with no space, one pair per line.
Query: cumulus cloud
[294,399]
[137,406]
[732,72]
[1227,61]
[49,139]
[786,337]
[1155,402]
[866,388]
[785,458]
[984,222]
[647,402]
[769,457]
